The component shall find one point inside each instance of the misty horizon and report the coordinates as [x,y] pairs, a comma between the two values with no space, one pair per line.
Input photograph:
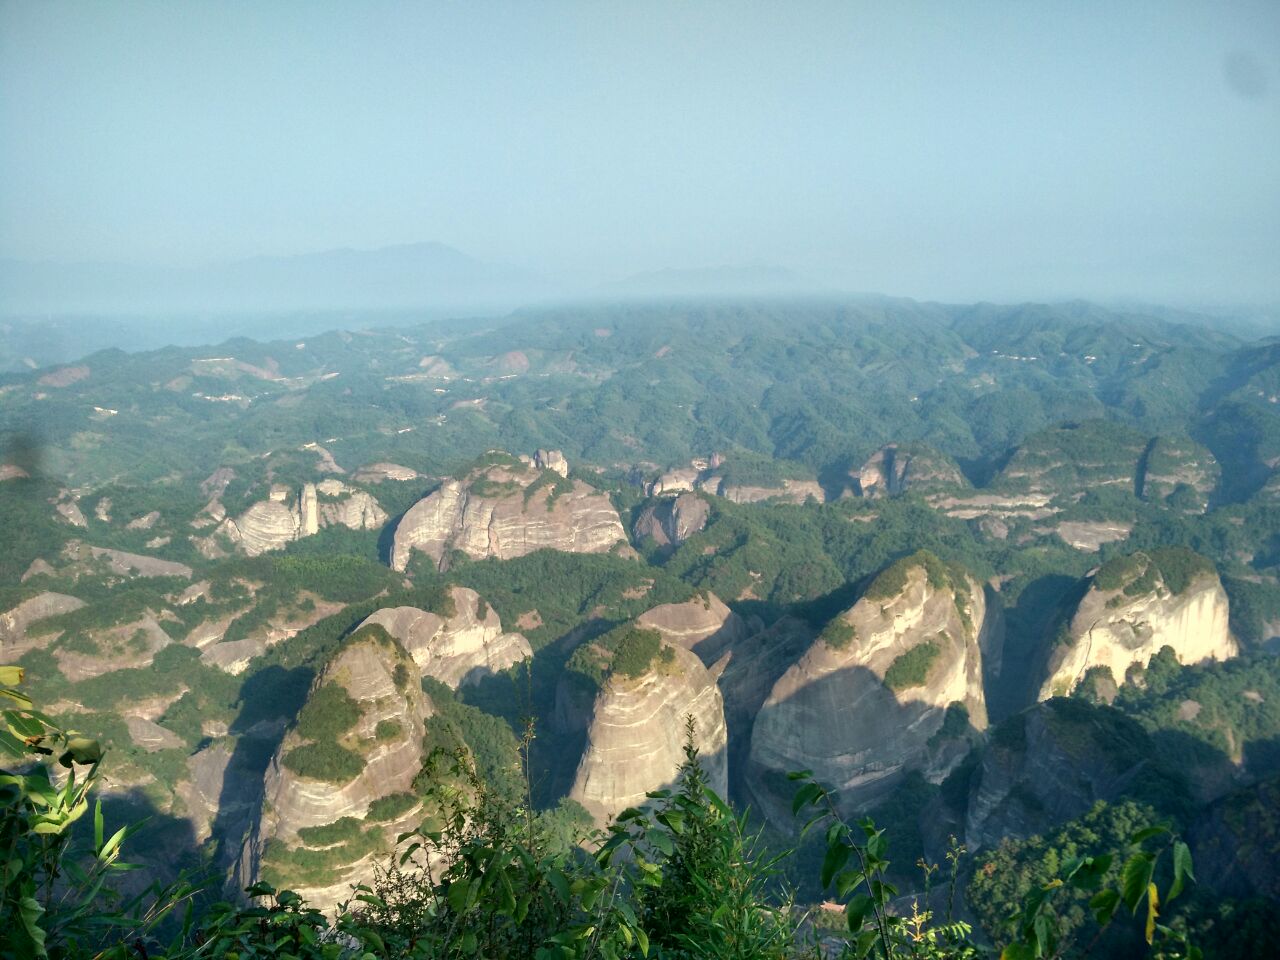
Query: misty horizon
[1042,152]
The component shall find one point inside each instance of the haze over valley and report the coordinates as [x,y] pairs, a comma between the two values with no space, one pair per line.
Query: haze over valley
[497,471]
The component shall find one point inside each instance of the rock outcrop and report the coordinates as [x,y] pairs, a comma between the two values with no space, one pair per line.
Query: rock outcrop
[894,469]
[789,491]
[505,508]
[282,518]
[1179,472]
[1052,763]
[703,625]
[15,621]
[1134,606]
[358,741]
[671,521]
[458,648]
[636,733]
[893,684]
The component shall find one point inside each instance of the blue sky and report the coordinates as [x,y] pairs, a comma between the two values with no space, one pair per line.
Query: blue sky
[952,150]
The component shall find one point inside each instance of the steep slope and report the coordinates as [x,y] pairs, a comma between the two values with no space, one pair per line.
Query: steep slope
[873,696]
[636,729]
[505,507]
[270,524]
[703,625]
[671,521]
[340,786]
[1179,472]
[1052,762]
[458,646]
[1134,606]
[897,468]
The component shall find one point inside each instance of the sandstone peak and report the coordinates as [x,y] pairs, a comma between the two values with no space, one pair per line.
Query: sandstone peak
[284,517]
[503,507]
[703,625]
[342,779]
[1135,605]
[671,521]
[458,645]
[892,684]
[636,731]
[896,468]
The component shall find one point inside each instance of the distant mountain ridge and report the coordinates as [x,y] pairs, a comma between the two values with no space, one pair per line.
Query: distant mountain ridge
[395,277]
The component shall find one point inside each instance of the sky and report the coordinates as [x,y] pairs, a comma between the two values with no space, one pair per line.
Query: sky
[956,151]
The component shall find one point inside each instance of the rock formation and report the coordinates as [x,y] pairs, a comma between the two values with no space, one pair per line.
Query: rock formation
[358,740]
[14,621]
[895,469]
[635,737]
[1052,763]
[869,698]
[790,491]
[458,648]
[703,625]
[505,508]
[280,519]
[1182,467]
[672,521]
[1134,606]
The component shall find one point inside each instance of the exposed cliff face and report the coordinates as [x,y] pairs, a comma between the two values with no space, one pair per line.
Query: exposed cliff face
[507,509]
[1132,609]
[704,625]
[1053,762]
[367,702]
[14,622]
[864,703]
[280,519]
[895,469]
[791,491]
[670,522]
[457,649]
[635,738]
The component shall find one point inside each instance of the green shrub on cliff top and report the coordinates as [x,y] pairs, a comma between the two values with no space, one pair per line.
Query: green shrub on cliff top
[911,669]
[330,712]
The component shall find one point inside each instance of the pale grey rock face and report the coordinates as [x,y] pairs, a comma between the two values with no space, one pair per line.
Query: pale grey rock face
[69,510]
[679,480]
[1113,630]
[635,738]
[832,712]
[703,625]
[456,650]
[489,515]
[15,621]
[280,519]
[378,472]
[893,470]
[791,491]
[366,668]
[670,522]
[552,460]
[128,645]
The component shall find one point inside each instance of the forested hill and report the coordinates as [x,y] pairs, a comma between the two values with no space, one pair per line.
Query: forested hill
[1007,574]
[821,384]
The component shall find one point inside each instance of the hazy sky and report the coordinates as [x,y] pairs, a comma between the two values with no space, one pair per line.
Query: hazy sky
[955,150]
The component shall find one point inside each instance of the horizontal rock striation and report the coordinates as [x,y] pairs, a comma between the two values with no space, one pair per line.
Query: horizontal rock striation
[868,700]
[636,733]
[704,625]
[456,649]
[504,510]
[280,519]
[1132,609]
[386,737]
